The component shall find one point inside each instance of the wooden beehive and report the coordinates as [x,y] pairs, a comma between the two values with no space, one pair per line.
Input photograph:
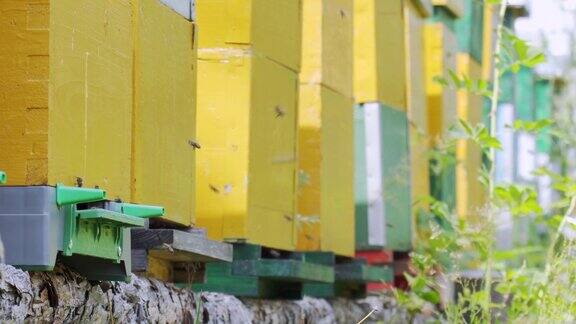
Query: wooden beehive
[470,198]
[415,13]
[325,201]
[268,27]
[326,171]
[66,93]
[248,61]
[543,104]
[164,135]
[246,124]
[327,38]
[470,29]
[379,54]
[383,180]
[440,48]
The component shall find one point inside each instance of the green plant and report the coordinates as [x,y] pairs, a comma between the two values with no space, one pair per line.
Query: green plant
[534,282]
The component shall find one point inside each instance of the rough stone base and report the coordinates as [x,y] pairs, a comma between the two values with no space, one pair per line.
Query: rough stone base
[63,296]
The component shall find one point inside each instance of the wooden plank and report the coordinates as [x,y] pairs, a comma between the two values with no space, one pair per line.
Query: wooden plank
[266,273]
[376,257]
[456,7]
[424,7]
[285,270]
[180,246]
[359,272]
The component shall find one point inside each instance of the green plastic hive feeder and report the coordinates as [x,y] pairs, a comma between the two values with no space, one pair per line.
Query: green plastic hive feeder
[89,233]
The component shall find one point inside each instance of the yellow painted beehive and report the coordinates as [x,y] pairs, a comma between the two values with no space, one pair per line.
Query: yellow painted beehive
[246,169]
[489,40]
[269,27]
[325,201]
[327,37]
[379,54]
[164,110]
[415,13]
[326,171]
[66,93]
[440,57]
[470,196]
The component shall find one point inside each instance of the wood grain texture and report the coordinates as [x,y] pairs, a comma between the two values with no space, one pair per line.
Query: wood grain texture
[179,246]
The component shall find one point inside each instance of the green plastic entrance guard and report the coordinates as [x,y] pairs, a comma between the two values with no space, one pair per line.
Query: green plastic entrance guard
[96,232]
[3,177]
[142,211]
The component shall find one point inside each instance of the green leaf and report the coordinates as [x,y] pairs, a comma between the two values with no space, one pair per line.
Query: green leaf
[535,60]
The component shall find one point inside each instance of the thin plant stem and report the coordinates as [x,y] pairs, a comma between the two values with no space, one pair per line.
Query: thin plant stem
[492,157]
[550,253]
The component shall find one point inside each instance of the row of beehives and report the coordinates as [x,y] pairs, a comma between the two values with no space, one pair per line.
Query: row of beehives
[296,125]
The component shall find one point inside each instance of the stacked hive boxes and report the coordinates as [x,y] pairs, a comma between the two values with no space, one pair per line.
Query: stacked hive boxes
[248,64]
[415,13]
[441,46]
[67,93]
[383,208]
[88,104]
[469,30]
[75,116]
[325,129]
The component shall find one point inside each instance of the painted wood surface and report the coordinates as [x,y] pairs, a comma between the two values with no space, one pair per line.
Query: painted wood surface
[246,168]
[455,7]
[180,246]
[327,44]
[370,213]
[417,106]
[271,28]
[396,179]
[326,171]
[164,124]
[543,105]
[88,115]
[470,198]
[379,41]
[470,29]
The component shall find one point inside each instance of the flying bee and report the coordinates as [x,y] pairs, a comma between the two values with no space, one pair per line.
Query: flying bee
[214,189]
[279,111]
[194,144]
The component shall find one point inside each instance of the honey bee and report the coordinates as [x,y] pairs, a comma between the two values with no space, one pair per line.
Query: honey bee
[279,111]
